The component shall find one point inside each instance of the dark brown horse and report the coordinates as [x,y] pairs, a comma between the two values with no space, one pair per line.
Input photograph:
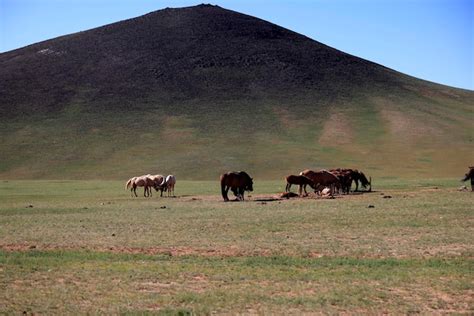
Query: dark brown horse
[470,175]
[346,176]
[323,178]
[302,181]
[360,176]
[238,182]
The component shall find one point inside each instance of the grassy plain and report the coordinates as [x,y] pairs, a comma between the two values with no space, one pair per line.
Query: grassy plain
[87,247]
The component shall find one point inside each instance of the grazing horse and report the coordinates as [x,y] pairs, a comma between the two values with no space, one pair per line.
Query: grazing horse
[360,176]
[302,181]
[323,178]
[346,176]
[470,175]
[238,182]
[143,181]
[157,179]
[168,185]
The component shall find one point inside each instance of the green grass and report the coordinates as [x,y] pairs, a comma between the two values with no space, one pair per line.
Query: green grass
[399,135]
[135,283]
[88,247]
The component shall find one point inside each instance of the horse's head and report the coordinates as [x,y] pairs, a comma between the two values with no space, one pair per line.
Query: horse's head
[249,185]
[363,180]
[247,181]
[466,177]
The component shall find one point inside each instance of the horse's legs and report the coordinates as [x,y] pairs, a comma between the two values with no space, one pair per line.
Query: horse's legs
[288,187]
[236,192]
[357,185]
[226,191]
[149,192]
[304,188]
[242,193]
[135,190]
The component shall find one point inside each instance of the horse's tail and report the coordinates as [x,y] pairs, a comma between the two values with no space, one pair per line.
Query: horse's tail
[129,182]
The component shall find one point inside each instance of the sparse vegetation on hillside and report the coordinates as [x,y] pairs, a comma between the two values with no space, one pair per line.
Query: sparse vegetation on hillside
[202,90]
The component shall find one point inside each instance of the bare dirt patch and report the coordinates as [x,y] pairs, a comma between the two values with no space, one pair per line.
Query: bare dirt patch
[170,251]
[286,117]
[337,131]
[407,128]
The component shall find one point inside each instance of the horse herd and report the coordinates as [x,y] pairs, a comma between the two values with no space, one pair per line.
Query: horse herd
[158,182]
[330,182]
[333,181]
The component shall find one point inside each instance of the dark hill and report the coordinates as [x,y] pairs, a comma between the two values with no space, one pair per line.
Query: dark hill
[179,74]
[196,52]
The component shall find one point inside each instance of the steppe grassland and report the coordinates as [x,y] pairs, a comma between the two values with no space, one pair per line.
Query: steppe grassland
[87,246]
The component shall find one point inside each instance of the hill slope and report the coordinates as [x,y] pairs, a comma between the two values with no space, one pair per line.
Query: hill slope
[200,90]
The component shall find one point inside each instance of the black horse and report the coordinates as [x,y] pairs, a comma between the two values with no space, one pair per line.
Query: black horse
[470,175]
[238,182]
[360,176]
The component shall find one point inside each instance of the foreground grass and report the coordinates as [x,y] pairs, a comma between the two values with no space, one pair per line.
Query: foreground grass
[87,246]
[73,282]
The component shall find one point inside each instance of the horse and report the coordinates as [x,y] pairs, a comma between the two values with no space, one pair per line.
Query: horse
[360,176]
[157,179]
[469,175]
[322,178]
[142,181]
[168,185]
[346,176]
[302,181]
[238,182]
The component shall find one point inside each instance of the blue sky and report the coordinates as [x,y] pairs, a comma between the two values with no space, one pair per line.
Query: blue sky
[428,39]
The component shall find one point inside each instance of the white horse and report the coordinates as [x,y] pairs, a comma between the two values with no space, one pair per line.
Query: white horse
[142,181]
[168,184]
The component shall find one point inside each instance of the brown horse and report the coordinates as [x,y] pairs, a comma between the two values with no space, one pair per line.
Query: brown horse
[238,182]
[346,176]
[302,181]
[470,175]
[323,178]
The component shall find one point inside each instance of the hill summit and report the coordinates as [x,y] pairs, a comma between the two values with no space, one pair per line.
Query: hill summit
[202,89]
